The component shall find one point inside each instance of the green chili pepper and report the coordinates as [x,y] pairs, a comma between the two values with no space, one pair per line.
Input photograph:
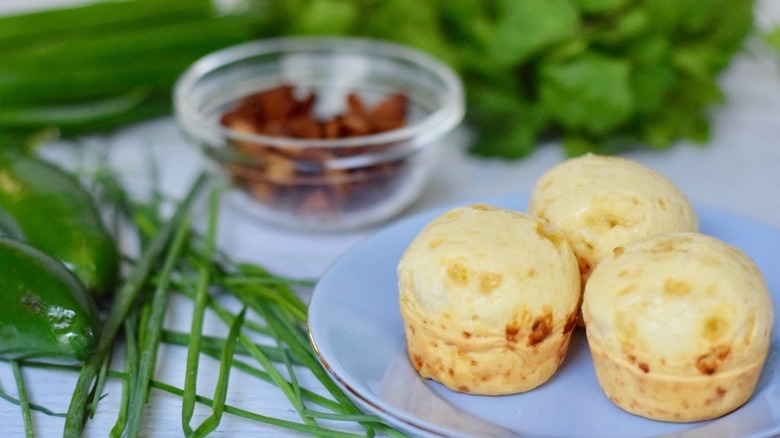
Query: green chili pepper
[50,210]
[45,311]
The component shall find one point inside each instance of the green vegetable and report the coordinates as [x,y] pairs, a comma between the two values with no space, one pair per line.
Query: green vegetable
[50,210]
[124,301]
[45,312]
[102,65]
[195,268]
[600,75]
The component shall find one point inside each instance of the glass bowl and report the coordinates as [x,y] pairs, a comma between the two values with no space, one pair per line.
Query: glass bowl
[342,174]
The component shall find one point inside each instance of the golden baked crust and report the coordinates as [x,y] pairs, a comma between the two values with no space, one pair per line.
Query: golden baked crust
[489,299]
[678,325]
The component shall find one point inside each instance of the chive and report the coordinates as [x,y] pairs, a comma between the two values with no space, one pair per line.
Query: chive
[294,382]
[264,361]
[259,282]
[123,300]
[298,343]
[129,381]
[220,392]
[267,281]
[358,418]
[211,344]
[185,289]
[293,337]
[199,310]
[276,296]
[303,428]
[141,334]
[154,328]
[24,402]
[260,272]
[33,406]
[101,381]
[310,395]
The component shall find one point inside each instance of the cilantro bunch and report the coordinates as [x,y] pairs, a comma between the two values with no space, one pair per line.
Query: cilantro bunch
[600,75]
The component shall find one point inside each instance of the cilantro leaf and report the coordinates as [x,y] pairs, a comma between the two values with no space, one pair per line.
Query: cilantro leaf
[590,93]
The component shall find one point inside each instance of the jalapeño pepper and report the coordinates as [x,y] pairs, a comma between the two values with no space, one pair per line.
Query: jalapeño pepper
[50,210]
[45,311]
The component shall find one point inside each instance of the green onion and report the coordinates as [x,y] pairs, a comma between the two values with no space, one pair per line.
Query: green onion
[100,66]
[95,18]
[71,114]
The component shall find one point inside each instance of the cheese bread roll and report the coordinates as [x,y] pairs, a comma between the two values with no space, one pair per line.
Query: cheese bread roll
[678,326]
[601,202]
[489,299]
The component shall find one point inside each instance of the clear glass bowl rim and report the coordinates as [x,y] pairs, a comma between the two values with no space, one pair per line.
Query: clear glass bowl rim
[442,120]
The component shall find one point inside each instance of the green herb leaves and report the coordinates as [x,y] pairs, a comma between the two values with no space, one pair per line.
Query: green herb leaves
[601,75]
[590,93]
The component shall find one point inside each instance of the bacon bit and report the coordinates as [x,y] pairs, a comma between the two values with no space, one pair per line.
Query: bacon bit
[388,114]
[316,201]
[278,112]
[306,186]
[353,125]
[354,104]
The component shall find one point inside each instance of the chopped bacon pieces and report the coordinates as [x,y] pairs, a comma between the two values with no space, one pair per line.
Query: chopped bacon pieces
[298,178]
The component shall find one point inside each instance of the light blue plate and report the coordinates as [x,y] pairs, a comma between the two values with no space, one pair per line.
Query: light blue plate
[356,328]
